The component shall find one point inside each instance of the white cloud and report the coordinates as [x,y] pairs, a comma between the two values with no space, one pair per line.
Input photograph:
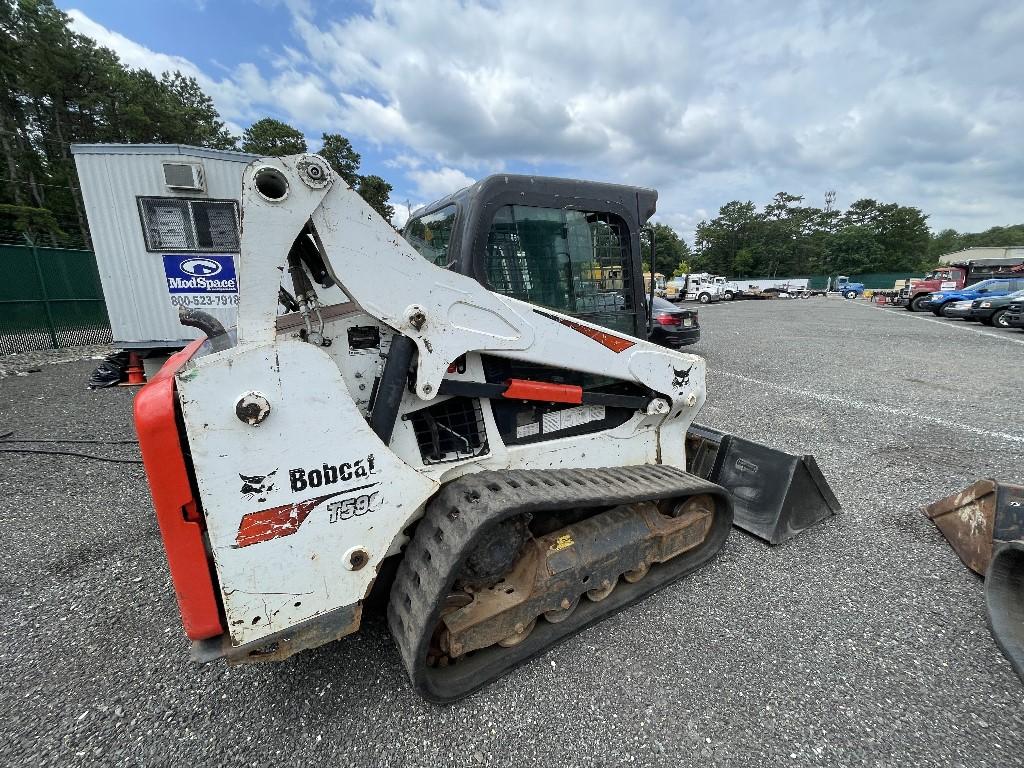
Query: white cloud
[432,185]
[243,94]
[403,210]
[708,102]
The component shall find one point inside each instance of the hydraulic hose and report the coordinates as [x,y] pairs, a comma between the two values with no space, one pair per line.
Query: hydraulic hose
[208,324]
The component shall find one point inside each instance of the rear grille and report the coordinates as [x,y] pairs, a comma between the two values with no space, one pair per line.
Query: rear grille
[452,430]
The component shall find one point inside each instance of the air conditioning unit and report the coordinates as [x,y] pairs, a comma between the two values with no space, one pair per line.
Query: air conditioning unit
[184,176]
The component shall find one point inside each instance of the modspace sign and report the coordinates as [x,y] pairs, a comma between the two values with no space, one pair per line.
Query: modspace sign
[206,280]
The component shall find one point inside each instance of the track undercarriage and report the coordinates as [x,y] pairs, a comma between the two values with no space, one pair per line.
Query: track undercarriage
[506,564]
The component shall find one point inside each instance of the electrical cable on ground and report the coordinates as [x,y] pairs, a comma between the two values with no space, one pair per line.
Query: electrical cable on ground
[71,453]
[4,439]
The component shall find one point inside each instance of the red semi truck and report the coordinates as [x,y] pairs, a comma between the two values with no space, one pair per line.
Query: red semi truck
[952,277]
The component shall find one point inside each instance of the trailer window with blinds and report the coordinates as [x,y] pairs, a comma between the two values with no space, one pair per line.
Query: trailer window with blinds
[189,224]
[576,262]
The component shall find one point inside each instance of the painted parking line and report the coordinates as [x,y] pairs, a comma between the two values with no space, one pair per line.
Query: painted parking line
[961,326]
[898,413]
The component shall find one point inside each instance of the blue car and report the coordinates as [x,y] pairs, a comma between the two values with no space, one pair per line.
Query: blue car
[942,301]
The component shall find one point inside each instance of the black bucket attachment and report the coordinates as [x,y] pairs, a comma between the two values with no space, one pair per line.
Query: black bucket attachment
[984,523]
[775,494]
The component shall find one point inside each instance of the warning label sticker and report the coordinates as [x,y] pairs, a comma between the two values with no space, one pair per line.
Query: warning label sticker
[528,430]
[571,417]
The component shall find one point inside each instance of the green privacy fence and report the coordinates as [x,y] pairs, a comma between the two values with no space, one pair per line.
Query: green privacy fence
[50,298]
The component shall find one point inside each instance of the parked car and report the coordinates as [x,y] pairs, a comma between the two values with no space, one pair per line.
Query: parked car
[1014,316]
[958,310]
[985,289]
[993,311]
[674,326]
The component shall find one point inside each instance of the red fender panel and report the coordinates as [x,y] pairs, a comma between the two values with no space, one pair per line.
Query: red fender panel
[176,512]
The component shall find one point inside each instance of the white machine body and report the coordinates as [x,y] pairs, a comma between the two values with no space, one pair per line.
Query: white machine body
[302,499]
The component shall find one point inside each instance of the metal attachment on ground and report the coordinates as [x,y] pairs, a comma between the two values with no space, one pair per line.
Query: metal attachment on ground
[775,494]
[356,558]
[984,523]
[252,408]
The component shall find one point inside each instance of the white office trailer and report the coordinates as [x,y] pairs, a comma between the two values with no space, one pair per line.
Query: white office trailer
[165,229]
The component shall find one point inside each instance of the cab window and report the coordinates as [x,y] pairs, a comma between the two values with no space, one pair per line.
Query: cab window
[576,262]
[431,234]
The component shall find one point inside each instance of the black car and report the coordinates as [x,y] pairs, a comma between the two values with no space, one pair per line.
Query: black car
[1014,316]
[673,326]
[994,311]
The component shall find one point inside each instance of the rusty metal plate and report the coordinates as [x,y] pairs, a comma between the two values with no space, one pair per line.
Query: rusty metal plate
[967,520]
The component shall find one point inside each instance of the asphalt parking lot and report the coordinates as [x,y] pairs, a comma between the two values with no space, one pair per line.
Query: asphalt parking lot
[862,642]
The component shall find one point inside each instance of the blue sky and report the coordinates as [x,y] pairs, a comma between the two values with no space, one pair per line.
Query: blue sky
[705,101]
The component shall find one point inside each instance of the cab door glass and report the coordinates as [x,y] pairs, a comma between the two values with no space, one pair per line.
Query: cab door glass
[575,262]
[431,234]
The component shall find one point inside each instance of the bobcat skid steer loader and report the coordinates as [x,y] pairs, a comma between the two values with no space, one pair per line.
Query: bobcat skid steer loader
[526,468]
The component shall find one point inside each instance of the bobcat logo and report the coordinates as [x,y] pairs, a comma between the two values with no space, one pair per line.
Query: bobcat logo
[681,378]
[257,485]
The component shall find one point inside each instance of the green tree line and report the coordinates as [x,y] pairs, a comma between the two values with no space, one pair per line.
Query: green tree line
[787,238]
[58,88]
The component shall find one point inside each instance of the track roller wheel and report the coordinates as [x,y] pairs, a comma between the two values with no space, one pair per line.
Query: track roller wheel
[561,614]
[599,594]
[636,574]
[517,637]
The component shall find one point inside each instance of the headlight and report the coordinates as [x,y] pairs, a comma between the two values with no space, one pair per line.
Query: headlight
[986,304]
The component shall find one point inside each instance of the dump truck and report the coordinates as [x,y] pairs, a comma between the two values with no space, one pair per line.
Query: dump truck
[917,294]
[467,422]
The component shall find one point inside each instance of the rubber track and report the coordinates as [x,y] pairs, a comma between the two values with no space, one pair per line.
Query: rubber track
[463,509]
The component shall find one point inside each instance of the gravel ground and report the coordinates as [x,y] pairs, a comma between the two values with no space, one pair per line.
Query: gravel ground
[862,642]
[25,363]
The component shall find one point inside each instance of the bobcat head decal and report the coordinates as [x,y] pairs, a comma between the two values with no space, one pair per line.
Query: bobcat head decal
[681,378]
[257,485]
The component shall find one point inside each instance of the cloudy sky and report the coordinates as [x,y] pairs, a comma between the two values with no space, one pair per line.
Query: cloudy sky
[917,103]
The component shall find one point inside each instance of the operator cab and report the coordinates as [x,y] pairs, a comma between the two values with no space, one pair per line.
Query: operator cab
[571,246]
